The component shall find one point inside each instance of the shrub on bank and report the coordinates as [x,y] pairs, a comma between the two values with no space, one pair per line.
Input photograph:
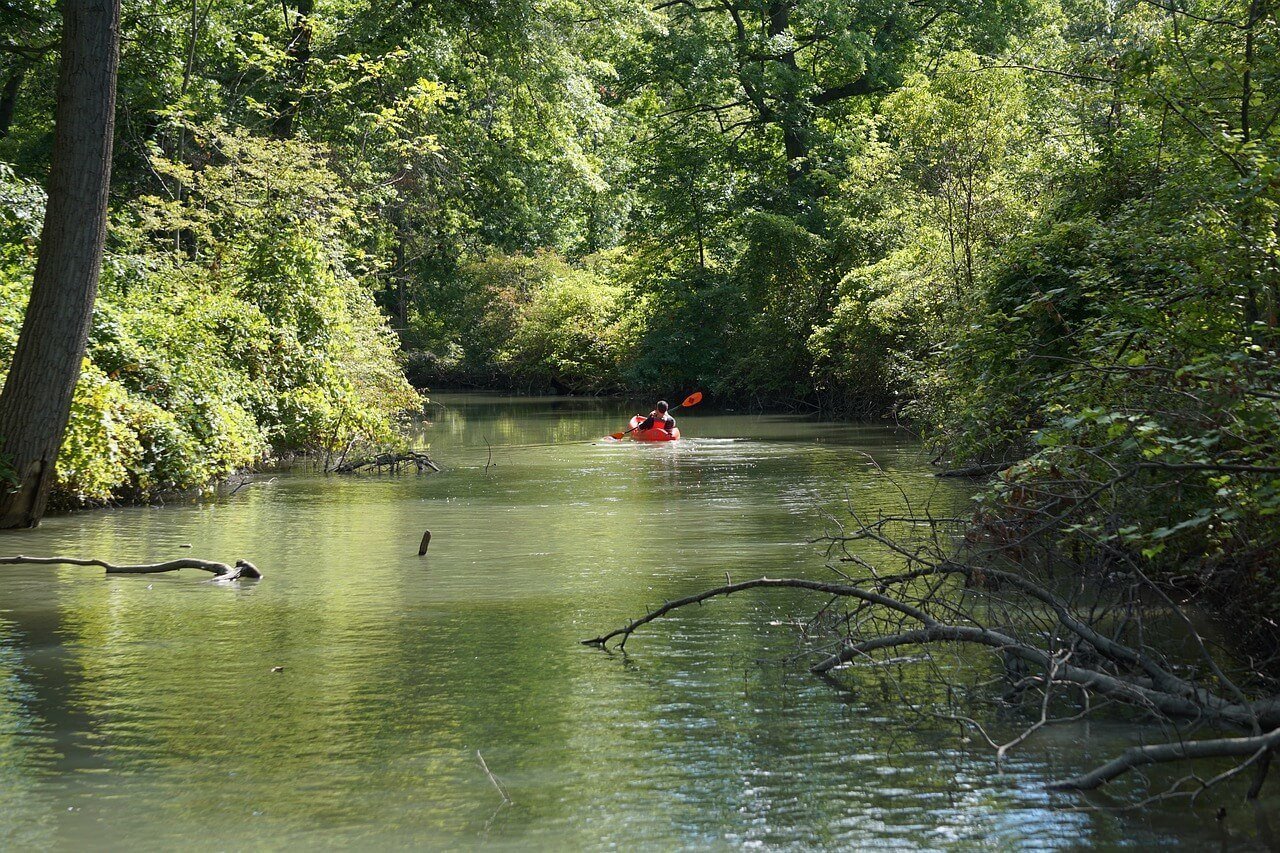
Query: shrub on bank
[536,322]
[1145,433]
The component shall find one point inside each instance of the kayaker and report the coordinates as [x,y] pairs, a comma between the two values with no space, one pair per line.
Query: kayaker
[659,417]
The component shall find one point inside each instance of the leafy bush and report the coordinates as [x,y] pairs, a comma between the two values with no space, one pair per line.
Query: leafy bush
[1151,434]
[537,322]
[571,332]
[228,326]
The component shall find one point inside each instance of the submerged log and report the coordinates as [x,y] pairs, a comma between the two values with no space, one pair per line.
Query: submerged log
[221,571]
[393,462]
[975,470]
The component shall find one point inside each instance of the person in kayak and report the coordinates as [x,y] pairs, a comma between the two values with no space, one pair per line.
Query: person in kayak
[659,418]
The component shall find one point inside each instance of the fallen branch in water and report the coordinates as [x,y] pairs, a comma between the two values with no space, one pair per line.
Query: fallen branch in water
[393,462]
[728,589]
[1075,641]
[975,470]
[1237,747]
[221,571]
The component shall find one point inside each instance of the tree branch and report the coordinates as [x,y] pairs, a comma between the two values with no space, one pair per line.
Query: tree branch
[1141,756]
[861,86]
[729,589]
[221,571]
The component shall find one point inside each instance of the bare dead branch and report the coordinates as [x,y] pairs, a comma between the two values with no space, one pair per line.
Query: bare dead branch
[1140,756]
[728,589]
[392,462]
[221,571]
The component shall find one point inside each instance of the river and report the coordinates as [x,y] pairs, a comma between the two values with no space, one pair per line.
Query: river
[146,712]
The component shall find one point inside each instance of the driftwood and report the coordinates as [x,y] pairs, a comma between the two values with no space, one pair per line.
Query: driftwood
[1077,646]
[975,470]
[392,462]
[221,571]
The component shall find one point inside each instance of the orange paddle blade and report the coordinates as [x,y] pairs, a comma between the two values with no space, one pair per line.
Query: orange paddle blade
[692,400]
[617,436]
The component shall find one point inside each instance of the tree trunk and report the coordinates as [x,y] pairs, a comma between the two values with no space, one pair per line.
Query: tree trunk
[298,54]
[795,131]
[36,402]
[1252,310]
[183,238]
[795,145]
[696,205]
[9,98]
[396,295]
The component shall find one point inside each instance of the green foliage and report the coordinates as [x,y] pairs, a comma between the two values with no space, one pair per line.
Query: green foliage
[786,277]
[498,292]
[1044,231]
[253,336]
[1124,350]
[942,180]
[573,330]
[541,323]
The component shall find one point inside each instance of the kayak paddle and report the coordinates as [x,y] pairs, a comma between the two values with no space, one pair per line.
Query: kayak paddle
[692,400]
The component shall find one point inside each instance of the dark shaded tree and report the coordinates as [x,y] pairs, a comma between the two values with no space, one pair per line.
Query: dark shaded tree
[36,402]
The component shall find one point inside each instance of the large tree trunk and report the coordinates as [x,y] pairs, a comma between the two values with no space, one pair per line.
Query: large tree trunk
[36,401]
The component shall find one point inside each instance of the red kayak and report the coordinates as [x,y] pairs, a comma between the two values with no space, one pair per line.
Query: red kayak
[655,433]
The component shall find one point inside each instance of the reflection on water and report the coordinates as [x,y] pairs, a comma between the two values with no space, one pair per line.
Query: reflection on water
[144,712]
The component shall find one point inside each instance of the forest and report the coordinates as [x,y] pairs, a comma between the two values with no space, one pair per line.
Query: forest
[1042,235]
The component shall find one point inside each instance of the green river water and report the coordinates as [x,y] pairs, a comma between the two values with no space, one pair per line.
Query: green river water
[143,713]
